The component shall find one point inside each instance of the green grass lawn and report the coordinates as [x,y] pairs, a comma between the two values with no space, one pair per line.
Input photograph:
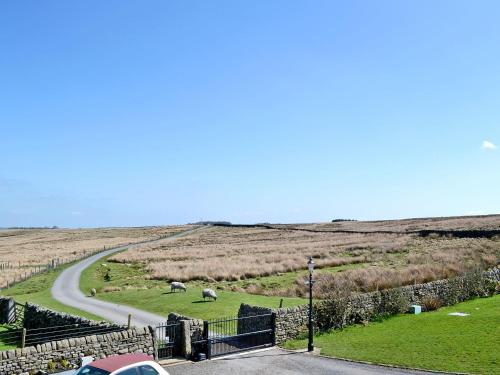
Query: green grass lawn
[432,340]
[37,290]
[154,296]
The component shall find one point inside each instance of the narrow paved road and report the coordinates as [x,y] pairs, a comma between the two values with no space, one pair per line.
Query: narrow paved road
[66,289]
[281,362]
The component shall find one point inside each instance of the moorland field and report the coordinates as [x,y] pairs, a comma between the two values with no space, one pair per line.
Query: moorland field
[270,259]
[360,256]
[22,251]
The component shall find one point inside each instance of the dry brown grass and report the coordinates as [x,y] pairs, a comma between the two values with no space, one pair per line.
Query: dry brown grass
[435,223]
[25,250]
[235,253]
[238,253]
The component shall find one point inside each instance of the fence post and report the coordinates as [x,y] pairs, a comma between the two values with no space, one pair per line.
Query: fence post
[205,338]
[129,320]
[23,338]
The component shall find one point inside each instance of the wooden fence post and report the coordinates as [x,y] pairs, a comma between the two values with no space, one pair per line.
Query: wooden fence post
[23,338]
[129,320]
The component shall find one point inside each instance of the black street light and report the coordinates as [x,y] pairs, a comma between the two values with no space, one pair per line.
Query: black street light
[310,266]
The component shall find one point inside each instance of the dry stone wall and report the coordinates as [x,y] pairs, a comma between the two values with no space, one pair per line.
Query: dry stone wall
[39,317]
[293,321]
[34,358]
[68,348]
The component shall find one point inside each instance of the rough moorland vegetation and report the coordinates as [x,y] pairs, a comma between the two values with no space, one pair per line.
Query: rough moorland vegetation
[23,251]
[383,254]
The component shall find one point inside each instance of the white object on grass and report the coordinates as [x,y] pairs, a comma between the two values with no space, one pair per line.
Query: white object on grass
[458,314]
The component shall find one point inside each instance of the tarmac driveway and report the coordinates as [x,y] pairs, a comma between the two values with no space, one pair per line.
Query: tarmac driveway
[281,362]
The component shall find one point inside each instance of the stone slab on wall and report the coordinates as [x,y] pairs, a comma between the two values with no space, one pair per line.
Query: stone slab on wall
[189,332]
[34,358]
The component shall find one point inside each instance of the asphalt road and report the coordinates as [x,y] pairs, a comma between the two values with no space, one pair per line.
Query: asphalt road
[66,289]
[281,362]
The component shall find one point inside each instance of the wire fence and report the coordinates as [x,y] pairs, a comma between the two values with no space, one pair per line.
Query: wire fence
[35,336]
[22,337]
[11,337]
[25,271]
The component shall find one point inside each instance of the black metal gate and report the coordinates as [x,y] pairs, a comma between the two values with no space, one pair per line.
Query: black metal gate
[232,335]
[167,340]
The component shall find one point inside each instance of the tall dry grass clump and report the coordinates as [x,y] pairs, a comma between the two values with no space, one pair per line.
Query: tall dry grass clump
[240,253]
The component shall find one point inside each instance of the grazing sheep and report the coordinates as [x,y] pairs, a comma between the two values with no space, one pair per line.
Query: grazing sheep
[209,293]
[177,285]
[93,292]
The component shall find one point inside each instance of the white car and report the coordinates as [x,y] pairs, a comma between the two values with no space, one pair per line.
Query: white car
[126,364]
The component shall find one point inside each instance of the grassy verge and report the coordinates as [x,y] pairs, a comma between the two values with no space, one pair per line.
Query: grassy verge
[37,290]
[129,285]
[431,340]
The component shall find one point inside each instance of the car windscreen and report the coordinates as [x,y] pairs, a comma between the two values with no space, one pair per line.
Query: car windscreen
[89,370]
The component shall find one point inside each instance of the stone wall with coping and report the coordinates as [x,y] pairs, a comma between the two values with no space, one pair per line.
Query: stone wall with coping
[36,316]
[292,322]
[39,357]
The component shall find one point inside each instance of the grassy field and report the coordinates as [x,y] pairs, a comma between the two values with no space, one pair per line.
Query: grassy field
[37,290]
[388,253]
[22,251]
[432,340]
[129,285]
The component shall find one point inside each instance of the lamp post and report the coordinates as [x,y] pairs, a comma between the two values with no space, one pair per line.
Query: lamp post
[310,266]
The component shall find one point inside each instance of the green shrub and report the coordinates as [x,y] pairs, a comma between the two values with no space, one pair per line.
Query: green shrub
[393,301]
[107,276]
[333,312]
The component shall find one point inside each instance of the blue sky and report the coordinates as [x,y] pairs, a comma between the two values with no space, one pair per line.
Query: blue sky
[164,112]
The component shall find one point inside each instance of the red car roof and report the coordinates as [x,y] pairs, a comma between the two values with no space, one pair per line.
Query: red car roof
[116,362]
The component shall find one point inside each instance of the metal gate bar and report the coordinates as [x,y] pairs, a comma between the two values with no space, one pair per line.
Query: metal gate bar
[167,340]
[233,335]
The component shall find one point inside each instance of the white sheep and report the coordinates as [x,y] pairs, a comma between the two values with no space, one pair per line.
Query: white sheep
[177,285]
[93,292]
[209,293]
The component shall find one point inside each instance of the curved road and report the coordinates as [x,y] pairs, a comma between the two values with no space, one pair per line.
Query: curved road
[66,289]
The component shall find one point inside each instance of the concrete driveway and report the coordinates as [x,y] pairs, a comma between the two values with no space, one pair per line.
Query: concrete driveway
[280,362]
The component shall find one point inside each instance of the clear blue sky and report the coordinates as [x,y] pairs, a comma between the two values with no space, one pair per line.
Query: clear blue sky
[164,112]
